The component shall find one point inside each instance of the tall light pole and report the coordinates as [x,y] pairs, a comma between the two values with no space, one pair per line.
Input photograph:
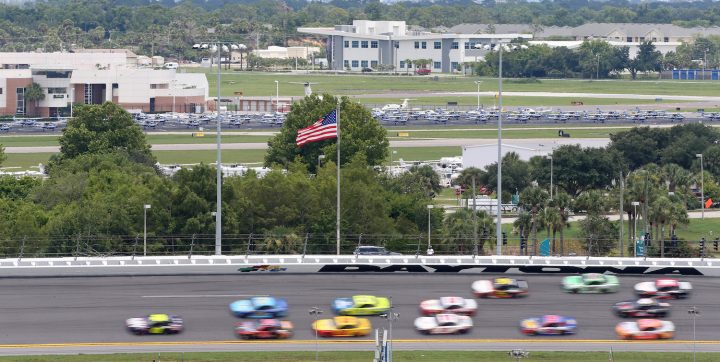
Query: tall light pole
[145,209]
[277,95]
[551,176]
[702,184]
[635,215]
[597,69]
[393,152]
[429,207]
[498,226]
[390,316]
[694,312]
[478,82]
[219,47]
[315,311]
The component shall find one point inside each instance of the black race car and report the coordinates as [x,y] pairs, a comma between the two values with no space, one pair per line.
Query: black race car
[645,308]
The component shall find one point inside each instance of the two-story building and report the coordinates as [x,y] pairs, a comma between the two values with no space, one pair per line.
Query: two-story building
[93,78]
[368,44]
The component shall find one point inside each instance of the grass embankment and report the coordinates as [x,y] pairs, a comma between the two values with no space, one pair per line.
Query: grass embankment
[263,84]
[410,356]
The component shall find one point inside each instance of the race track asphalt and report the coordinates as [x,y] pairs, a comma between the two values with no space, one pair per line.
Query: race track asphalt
[73,313]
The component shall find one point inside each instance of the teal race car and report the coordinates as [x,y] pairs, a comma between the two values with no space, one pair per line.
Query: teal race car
[591,283]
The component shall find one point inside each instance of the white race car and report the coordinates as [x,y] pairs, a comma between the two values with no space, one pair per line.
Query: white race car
[454,305]
[663,289]
[444,324]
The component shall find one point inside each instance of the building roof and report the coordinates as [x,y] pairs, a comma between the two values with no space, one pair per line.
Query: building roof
[598,30]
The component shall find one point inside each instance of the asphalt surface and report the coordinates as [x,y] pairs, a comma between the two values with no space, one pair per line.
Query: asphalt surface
[74,315]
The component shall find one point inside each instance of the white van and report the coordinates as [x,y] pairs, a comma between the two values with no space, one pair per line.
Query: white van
[171,65]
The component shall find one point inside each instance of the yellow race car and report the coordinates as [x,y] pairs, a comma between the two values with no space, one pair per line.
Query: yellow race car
[342,327]
[361,305]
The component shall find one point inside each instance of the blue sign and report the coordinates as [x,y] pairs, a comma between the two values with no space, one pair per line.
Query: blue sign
[639,247]
[545,247]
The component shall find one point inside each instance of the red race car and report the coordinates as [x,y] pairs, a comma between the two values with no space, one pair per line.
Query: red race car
[500,288]
[454,305]
[264,329]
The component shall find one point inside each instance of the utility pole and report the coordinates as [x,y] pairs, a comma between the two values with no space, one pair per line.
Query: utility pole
[621,211]
[474,213]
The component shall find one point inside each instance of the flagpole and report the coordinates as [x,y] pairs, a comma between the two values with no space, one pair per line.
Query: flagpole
[337,219]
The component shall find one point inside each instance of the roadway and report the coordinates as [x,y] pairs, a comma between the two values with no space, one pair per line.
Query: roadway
[86,315]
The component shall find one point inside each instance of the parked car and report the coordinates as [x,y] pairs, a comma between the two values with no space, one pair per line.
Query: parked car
[367,70]
[373,250]
[422,71]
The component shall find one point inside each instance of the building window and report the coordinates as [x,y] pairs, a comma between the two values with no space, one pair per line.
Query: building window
[628,39]
[417,45]
[347,43]
[364,63]
[437,45]
[373,64]
[423,45]
[455,45]
[436,65]
[402,64]
[0,90]
[355,43]
[346,64]
[20,103]
[373,44]
[642,38]
[57,90]
[409,65]
[666,39]
[467,45]
[454,66]
[159,86]
[364,44]
[354,63]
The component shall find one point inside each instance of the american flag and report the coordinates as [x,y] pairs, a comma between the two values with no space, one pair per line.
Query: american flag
[324,128]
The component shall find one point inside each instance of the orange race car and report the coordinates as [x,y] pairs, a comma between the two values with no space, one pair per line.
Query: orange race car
[342,327]
[646,329]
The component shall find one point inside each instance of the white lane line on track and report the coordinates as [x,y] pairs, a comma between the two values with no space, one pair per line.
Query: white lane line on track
[203,296]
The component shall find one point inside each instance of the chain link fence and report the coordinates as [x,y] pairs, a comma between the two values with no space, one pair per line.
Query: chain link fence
[313,244]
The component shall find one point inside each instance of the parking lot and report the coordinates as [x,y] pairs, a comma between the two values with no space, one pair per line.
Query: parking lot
[437,116]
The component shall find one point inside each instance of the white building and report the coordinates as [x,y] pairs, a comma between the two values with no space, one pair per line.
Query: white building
[94,78]
[279,52]
[367,44]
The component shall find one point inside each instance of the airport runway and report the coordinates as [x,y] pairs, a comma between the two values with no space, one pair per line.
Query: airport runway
[86,315]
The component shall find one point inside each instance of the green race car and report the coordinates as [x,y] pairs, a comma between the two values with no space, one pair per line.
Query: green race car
[591,283]
[361,305]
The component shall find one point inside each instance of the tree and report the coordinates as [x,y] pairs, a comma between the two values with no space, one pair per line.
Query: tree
[34,93]
[647,60]
[515,175]
[359,133]
[533,199]
[3,156]
[104,128]
[408,65]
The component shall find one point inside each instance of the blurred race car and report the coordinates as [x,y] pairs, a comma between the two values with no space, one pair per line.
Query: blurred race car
[444,324]
[264,329]
[155,324]
[646,329]
[500,288]
[645,307]
[548,325]
[455,305]
[259,307]
[663,288]
[361,305]
[591,283]
[342,327]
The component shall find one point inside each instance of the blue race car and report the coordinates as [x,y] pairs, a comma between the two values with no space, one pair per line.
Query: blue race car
[259,307]
[548,325]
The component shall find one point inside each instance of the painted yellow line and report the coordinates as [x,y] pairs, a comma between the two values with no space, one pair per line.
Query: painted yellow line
[341,341]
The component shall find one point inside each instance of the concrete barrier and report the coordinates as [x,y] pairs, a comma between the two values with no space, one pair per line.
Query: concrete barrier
[254,264]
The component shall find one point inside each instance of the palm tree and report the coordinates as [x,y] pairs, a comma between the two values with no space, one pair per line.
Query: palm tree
[458,229]
[523,223]
[563,203]
[408,65]
[533,198]
[34,93]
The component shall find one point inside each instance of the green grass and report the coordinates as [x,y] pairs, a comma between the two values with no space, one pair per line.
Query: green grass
[516,133]
[263,84]
[409,356]
[510,101]
[25,160]
[208,138]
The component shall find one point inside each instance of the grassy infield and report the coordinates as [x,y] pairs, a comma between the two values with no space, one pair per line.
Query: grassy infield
[263,84]
[449,356]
